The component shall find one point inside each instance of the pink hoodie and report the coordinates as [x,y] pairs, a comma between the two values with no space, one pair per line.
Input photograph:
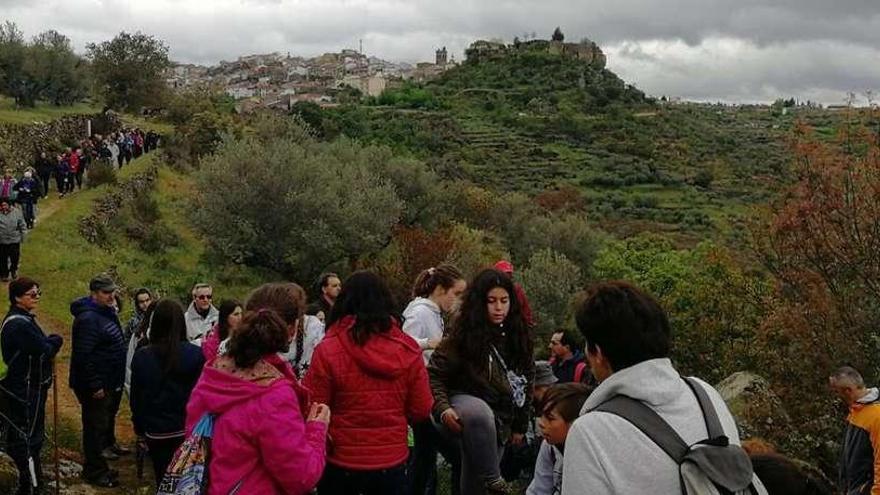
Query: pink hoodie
[261,440]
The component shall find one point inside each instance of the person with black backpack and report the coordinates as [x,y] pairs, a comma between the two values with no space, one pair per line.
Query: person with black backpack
[645,428]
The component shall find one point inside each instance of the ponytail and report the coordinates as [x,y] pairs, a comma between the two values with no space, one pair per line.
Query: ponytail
[444,275]
[260,333]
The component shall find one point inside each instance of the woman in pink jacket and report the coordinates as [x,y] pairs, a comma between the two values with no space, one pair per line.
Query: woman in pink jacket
[262,442]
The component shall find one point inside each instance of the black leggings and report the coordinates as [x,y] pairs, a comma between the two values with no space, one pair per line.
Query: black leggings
[161,453]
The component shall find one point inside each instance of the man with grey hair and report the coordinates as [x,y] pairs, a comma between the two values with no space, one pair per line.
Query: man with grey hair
[201,315]
[858,461]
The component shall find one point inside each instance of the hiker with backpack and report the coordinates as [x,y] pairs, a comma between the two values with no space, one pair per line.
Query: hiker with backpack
[163,375]
[560,406]
[645,428]
[374,376]
[267,436]
[481,377]
[566,359]
[26,363]
[860,456]
[437,292]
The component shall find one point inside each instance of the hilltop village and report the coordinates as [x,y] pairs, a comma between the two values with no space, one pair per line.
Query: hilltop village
[279,81]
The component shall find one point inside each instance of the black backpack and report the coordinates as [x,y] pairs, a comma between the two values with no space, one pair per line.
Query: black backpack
[712,466]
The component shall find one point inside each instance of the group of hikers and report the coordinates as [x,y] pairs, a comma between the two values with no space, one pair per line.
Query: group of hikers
[19,195]
[322,398]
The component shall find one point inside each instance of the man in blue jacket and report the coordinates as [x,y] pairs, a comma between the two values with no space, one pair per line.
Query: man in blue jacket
[97,374]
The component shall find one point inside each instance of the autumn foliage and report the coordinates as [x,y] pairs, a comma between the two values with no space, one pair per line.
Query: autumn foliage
[820,240]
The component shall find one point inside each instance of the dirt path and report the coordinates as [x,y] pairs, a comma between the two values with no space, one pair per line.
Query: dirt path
[69,412]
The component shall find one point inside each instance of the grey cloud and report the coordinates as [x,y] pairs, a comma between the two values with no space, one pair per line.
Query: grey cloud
[808,46]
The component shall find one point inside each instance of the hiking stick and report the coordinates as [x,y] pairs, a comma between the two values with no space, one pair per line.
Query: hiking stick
[55,429]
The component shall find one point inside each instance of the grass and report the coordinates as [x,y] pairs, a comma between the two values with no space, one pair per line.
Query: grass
[63,262]
[42,112]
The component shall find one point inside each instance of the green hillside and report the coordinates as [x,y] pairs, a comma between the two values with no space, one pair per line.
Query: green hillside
[533,121]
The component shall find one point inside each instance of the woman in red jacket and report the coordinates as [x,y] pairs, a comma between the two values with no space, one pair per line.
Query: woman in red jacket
[373,378]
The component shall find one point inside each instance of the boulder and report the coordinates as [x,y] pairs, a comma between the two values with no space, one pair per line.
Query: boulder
[8,474]
[757,410]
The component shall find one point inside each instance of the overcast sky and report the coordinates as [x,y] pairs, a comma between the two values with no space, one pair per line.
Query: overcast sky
[730,50]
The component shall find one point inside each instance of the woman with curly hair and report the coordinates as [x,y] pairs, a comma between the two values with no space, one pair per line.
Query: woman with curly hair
[481,377]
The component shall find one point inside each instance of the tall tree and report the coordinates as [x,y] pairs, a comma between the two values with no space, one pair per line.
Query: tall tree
[557,35]
[59,74]
[13,81]
[129,70]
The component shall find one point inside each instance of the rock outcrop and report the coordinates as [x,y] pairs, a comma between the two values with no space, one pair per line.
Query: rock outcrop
[758,411]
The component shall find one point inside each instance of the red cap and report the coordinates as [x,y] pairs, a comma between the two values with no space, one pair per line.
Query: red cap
[504,266]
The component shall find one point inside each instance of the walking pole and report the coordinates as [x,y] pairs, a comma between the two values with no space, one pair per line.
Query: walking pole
[55,429]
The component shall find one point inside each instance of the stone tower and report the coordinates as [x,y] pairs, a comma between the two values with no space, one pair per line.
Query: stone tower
[441,56]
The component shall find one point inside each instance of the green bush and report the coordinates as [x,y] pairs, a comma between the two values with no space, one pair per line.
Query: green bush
[100,173]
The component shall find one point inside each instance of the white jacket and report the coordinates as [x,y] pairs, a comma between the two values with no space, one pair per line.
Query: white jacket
[606,455]
[423,321]
[196,326]
[313,333]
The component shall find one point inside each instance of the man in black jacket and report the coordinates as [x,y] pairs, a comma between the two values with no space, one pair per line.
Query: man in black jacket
[97,374]
[28,354]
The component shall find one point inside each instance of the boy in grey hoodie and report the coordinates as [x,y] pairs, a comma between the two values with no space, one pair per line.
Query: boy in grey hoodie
[628,344]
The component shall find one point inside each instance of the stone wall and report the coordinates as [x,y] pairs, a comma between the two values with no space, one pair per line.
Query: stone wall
[94,226]
[20,143]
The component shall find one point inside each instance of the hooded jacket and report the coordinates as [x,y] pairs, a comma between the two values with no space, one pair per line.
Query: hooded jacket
[261,442]
[372,391]
[605,454]
[423,321]
[196,325]
[859,459]
[98,357]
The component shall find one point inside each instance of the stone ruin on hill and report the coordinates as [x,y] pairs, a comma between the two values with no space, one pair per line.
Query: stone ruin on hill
[586,50]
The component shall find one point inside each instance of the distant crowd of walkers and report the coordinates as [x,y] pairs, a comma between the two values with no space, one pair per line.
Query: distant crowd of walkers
[19,195]
[325,402]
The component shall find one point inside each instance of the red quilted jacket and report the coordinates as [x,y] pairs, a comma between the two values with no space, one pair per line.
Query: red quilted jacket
[372,391]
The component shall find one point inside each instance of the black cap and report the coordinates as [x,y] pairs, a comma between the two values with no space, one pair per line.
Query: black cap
[102,283]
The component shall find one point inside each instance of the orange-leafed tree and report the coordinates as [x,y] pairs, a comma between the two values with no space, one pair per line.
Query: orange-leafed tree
[821,242]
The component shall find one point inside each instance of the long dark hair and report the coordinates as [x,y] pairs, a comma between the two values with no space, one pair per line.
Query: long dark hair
[227,307]
[366,297]
[472,334]
[167,332]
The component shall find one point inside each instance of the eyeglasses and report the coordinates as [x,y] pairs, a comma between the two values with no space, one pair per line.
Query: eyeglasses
[205,296]
[34,294]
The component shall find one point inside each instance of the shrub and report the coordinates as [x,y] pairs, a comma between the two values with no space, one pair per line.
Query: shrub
[101,172]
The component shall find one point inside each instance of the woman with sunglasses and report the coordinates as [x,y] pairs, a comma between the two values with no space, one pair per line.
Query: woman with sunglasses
[28,355]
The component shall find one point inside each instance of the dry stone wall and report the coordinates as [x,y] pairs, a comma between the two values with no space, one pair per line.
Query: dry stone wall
[20,143]
[94,226]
